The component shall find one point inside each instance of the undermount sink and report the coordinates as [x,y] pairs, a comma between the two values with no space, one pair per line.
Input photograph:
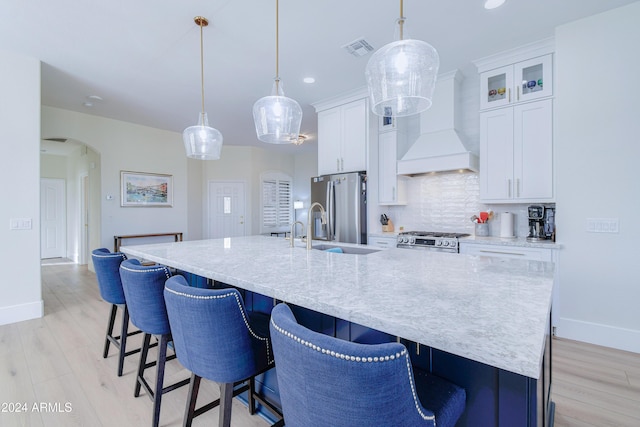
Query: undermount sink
[346,249]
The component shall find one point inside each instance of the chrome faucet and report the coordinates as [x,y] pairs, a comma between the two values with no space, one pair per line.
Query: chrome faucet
[293,231]
[323,220]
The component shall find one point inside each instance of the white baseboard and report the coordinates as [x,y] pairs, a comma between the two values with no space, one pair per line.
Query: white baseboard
[599,334]
[18,313]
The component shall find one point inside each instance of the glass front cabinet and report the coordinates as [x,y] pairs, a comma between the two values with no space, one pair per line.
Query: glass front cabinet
[519,82]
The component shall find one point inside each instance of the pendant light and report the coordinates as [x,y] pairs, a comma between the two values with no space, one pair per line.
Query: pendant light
[202,141]
[276,117]
[401,75]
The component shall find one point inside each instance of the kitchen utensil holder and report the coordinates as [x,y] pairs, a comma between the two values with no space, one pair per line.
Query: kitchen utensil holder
[482,229]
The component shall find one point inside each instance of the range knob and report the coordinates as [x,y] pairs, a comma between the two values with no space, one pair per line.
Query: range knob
[445,243]
[412,240]
[438,242]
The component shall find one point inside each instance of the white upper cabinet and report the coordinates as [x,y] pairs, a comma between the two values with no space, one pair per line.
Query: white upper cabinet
[391,187]
[520,82]
[342,138]
[516,153]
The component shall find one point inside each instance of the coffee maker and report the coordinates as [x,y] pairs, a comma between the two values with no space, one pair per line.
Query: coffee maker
[542,223]
[536,223]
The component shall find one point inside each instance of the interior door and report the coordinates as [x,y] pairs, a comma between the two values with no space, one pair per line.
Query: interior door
[226,216]
[52,218]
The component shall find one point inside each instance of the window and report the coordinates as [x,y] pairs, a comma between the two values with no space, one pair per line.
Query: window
[276,201]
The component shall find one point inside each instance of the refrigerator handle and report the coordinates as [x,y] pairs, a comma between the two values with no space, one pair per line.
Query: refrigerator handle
[330,210]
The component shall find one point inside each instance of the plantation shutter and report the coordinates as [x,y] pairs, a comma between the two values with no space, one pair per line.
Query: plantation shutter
[276,199]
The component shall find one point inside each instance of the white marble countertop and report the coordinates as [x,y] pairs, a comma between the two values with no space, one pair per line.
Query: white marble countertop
[491,310]
[509,241]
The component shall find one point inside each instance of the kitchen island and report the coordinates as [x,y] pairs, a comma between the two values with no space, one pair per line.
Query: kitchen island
[481,322]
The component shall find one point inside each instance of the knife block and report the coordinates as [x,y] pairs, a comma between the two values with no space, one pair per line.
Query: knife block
[388,228]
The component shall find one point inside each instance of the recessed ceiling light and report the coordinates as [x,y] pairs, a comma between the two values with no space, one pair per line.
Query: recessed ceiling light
[88,104]
[309,80]
[94,98]
[492,4]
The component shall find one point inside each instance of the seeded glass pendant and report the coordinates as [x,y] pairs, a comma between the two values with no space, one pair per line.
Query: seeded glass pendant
[202,141]
[277,118]
[401,75]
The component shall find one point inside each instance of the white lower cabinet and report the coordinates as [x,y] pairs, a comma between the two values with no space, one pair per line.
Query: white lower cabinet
[504,251]
[382,242]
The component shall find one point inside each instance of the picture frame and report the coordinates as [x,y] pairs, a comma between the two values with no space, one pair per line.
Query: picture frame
[140,189]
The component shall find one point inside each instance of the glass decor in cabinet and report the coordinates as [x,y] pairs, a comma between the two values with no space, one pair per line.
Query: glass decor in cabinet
[533,78]
[496,87]
[519,82]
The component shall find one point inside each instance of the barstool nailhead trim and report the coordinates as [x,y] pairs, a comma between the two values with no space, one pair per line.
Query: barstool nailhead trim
[244,318]
[165,269]
[385,358]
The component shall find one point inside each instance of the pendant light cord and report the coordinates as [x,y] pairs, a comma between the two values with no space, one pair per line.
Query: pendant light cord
[401,20]
[201,65]
[277,49]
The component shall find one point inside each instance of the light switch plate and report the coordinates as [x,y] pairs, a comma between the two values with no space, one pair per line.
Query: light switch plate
[20,224]
[602,225]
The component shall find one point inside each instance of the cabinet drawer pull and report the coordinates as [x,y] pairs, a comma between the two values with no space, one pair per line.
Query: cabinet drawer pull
[518,93]
[501,253]
[509,91]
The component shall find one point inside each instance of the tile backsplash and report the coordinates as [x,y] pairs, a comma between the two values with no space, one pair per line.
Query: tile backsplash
[446,202]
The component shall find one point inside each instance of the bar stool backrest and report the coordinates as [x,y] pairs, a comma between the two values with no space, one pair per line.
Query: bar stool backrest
[327,381]
[212,334]
[107,266]
[143,286]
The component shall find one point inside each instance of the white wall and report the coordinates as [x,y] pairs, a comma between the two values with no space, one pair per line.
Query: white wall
[597,150]
[306,166]
[129,147]
[20,289]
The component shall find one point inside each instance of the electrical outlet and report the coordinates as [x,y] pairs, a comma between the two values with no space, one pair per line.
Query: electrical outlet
[602,225]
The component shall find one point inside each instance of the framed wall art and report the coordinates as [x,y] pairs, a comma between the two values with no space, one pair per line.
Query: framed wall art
[146,189]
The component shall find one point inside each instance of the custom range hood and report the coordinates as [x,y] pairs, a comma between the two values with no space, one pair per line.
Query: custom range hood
[439,147]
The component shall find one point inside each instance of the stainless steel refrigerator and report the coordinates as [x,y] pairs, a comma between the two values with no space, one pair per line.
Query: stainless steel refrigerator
[344,197]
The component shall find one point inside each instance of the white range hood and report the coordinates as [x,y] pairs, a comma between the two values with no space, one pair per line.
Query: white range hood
[439,147]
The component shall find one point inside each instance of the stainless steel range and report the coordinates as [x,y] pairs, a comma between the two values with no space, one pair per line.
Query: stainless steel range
[434,241]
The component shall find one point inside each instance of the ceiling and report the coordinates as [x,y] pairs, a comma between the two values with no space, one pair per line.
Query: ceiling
[142,57]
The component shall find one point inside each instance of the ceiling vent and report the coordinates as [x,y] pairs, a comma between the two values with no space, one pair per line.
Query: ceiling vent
[61,140]
[359,47]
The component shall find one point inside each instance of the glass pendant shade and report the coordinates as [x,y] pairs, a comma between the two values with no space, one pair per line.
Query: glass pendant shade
[201,141]
[277,118]
[401,76]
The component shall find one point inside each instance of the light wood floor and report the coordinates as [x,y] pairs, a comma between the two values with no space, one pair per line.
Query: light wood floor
[57,361]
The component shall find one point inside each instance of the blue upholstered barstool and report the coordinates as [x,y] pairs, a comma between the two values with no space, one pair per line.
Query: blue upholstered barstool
[143,287]
[331,382]
[107,266]
[217,339]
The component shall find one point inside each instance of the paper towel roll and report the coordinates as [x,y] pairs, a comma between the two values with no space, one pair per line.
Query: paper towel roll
[506,224]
